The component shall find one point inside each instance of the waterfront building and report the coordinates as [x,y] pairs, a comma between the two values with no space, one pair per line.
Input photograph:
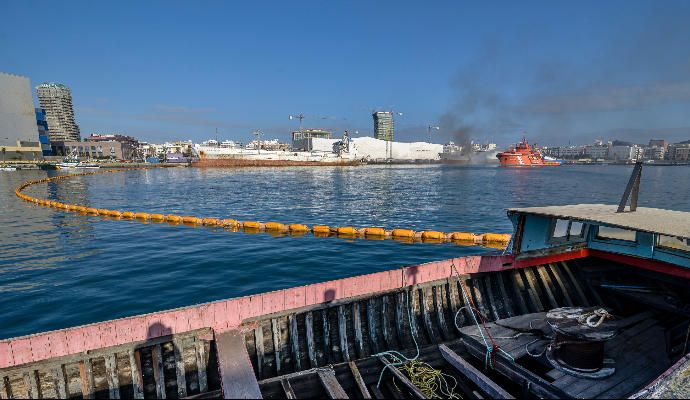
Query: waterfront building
[302,139]
[597,151]
[626,153]
[100,146]
[658,143]
[19,138]
[655,153]
[56,100]
[679,151]
[384,128]
[43,137]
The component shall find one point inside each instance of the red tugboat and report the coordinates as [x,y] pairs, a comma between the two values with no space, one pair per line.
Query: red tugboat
[523,155]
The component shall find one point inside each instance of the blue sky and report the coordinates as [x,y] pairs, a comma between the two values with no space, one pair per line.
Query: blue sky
[561,71]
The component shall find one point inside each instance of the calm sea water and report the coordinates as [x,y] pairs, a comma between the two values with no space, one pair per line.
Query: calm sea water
[60,269]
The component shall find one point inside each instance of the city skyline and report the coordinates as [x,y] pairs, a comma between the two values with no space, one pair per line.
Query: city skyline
[537,72]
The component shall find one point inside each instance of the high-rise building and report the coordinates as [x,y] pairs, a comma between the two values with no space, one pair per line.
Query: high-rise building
[384,128]
[56,100]
[18,129]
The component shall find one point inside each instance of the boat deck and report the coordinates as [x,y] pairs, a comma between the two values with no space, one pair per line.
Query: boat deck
[639,352]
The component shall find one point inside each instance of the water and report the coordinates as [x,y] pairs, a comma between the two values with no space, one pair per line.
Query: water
[61,269]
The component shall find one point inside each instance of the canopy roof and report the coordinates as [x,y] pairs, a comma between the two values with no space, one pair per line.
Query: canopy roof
[666,222]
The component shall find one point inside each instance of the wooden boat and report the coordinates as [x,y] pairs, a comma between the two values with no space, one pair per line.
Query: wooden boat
[493,324]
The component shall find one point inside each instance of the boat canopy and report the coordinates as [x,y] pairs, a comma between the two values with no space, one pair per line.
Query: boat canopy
[653,220]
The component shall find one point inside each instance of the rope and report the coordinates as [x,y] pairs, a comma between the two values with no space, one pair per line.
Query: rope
[590,318]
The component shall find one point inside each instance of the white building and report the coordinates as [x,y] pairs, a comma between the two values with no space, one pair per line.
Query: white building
[56,100]
[18,127]
[597,151]
[626,153]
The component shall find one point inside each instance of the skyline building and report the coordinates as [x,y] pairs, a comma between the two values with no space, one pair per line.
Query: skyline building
[19,137]
[384,127]
[56,101]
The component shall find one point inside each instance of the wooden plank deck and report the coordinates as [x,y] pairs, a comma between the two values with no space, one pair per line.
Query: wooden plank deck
[237,375]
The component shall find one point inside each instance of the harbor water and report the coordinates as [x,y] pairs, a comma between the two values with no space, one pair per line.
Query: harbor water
[63,269]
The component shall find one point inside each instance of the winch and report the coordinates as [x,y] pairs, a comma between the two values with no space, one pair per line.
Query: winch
[579,340]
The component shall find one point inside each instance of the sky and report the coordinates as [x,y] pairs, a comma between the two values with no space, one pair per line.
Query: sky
[558,72]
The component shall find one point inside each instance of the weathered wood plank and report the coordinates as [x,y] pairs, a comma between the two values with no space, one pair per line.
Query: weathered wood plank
[287,389]
[342,333]
[31,383]
[275,330]
[111,377]
[400,306]
[529,284]
[561,284]
[386,312]
[357,322]
[311,350]
[399,376]
[5,388]
[507,302]
[86,379]
[413,307]
[178,347]
[371,324]
[520,292]
[294,341]
[259,346]
[326,336]
[546,281]
[440,311]
[491,297]
[477,297]
[137,378]
[60,384]
[201,361]
[359,380]
[430,329]
[237,373]
[466,369]
[452,293]
[576,284]
[331,384]
[516,372]
[158,374]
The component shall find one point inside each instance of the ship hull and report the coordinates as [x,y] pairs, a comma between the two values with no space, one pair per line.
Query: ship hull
[244,162]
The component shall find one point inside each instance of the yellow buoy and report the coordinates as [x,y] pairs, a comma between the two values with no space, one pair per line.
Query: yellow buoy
[157,217]
[496,238]
[275,227]
[173,218]
[192,220]
[91,210]
[211,221]
[114,213]
[374,232]
[347,231]
[103,211]
[298,228]
[321,229]
[462,236]
[402,233]
[128,214]
[142,215]
[229,223]
[251,225]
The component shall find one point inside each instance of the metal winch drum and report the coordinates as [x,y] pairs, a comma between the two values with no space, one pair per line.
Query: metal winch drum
[580,335]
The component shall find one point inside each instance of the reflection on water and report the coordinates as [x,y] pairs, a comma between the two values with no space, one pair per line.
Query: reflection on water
[63,269]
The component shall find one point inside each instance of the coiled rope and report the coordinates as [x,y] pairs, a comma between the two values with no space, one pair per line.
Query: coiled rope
[491,240]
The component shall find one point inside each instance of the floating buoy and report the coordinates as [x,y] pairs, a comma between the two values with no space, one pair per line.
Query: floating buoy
[462,236]
[275,227]
[114,213]
[251,225]
[173,218]
[496,238]
[230,223]
[192,220]
[210,221]
[157,217]
[374,232]
[402,233]
[103,211]
[322,229]
[298,228]
[433,235]
[128,214]
[142,215]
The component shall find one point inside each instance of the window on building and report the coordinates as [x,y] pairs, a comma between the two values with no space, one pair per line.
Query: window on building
[672,242]
[607,232]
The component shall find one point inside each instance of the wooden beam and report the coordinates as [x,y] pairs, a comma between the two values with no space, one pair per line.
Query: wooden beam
[111,376]
[440,311]
[294,341]
[178,347]
[259,345]
[517,373]
[326,336]
[60,384]
[403,379]
[430,330]
[86,379]
[486,282]
[466,369]
[158,374]
[559,281]
[275,330]
[5,388]
[507,302]
[32,384]
[357,325]
[331,384]
[359,380]
[137,378]
[236,371]
[386,322]
[371,324]
[342,332]
[201,360]
[287,389]
[311,349]
[400,307]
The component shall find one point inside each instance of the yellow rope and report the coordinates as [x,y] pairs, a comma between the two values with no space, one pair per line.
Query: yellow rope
[432,382]
[492,240]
